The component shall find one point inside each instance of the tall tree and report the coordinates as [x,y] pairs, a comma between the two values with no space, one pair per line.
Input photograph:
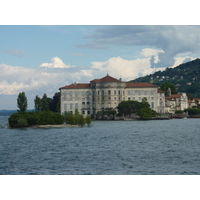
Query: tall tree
[165,85]
[22,102]
[38,104]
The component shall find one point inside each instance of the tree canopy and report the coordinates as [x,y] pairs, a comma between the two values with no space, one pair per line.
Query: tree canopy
[165,85]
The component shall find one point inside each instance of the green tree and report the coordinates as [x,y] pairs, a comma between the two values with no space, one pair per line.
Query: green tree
[88,120]
[76,116]
[22,103]
[128,107]
[45,106]
[165,85]
[81,120]
[38,104]
[145,113]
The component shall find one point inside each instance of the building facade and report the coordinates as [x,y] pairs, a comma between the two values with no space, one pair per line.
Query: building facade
[106,93]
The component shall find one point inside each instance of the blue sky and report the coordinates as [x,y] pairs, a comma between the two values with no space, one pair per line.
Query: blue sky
[39,59]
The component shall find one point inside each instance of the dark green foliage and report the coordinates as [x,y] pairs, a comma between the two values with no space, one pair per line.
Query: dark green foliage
[186,77]
[110,112]
[33,118]
[165,85]
[66,115]
[81,120]
[22,122]
[145,113]
[128,107]
[88,120]
[22,102]
[193,111]
[54,104]
[13,120]
[179,112]
[45,106]
[71,119]
[38,104]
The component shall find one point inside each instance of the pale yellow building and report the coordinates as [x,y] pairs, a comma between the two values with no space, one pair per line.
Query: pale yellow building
[106,93]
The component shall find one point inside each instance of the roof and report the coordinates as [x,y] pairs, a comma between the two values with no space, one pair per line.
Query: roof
[76,86]
[140,85]
[106,79]
[173,96]
[160,91]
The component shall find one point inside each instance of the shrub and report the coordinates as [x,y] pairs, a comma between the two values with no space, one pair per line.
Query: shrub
[81,120]
[22,122]
[179,112]
[88,120]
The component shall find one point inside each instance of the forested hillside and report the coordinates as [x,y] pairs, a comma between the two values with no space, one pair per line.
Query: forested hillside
[186,77]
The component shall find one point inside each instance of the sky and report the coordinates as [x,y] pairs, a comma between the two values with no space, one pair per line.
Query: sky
[46,46]
[38,59]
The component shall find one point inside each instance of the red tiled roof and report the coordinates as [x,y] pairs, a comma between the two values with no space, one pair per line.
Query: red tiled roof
[106,79]
[173,96]
[160,91]
[139,85]
[76,86]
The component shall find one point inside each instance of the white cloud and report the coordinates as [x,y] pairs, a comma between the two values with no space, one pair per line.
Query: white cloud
[48,80]
[147,52]
[56,63]
[119,67]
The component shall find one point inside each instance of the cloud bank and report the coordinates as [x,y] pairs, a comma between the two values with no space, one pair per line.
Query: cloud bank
[171,40]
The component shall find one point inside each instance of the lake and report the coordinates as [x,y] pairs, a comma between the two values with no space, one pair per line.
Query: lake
[106,148]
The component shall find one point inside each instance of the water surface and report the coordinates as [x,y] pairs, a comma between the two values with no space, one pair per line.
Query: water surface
[107,147]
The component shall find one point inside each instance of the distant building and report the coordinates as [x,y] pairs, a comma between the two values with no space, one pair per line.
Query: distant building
[175,102]
[106,93]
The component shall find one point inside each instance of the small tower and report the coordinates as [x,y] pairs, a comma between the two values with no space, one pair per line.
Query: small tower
[169,93]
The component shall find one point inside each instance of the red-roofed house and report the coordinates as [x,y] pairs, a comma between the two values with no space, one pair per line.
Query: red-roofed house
[175,102]
[107,93]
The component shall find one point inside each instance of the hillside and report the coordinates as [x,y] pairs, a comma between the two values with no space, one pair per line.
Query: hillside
[186,77]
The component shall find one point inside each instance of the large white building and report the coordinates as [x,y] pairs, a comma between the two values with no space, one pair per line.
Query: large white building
[107,93]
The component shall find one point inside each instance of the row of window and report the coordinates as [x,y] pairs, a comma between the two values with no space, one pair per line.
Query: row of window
[76,93]
[141,92]
[109,92]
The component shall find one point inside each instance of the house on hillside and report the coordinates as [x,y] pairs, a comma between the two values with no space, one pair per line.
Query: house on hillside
[106,93]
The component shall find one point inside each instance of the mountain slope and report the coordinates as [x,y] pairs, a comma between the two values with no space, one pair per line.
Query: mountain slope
[186,77]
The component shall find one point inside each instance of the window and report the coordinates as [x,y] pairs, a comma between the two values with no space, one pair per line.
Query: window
[70,93]
[88,112]
[83,93]
[114,92]
[65,107]
[129,98]
[119,92]
[133,92]
[152,98]
[152,104]
[83,103]
[129,92]
[76,94]
[88,103]
[98,92]
[102,92]
[71,106]
[65,94]
[109,92]
[133,98]
[76,105]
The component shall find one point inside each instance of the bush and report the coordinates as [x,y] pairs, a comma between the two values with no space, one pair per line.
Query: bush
[88,120]
[17,120]
[22,122]
[179,112]
[81,120]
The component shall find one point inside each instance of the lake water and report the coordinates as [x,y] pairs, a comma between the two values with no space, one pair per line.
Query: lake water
[107,147]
